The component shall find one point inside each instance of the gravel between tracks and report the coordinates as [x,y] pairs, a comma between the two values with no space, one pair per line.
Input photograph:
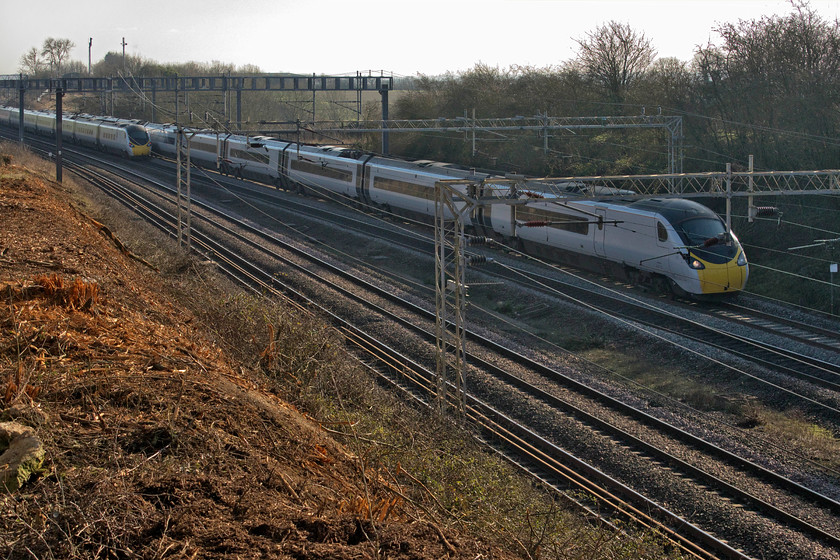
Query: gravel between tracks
[692,501]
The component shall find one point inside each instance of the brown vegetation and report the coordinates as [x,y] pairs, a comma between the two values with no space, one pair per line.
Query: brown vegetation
[163,402]
[158,445]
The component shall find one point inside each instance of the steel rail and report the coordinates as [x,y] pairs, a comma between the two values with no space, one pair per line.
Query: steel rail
[246,273]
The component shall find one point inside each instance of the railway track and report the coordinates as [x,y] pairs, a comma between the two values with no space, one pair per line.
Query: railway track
[618,437]
[806,333]
[531,448]
[794,364]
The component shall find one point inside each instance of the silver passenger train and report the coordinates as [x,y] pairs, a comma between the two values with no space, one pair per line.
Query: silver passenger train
[673,244]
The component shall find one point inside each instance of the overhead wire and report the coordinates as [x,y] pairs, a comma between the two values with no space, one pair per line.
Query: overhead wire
[347,201]
[350,203]
[632,325]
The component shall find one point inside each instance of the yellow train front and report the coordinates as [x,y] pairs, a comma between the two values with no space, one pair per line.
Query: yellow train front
[709,260]
[720,269]
[672,244]
[139,143]
[127,138]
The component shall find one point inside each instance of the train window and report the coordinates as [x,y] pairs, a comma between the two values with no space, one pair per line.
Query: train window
[558,220]
[404,187]
[661,232]
[250,156]
[204,146]
[324,170]
[137,134]
[695,231]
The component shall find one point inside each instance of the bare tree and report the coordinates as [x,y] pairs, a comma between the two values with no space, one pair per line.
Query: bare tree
[779,75]
[56,51]
[31,62]
[615,56]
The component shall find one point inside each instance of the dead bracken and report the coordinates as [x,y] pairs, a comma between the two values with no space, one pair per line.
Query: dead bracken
[170,427]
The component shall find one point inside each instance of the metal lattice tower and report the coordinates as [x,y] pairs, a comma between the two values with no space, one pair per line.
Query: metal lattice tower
[450,294]
[182,159]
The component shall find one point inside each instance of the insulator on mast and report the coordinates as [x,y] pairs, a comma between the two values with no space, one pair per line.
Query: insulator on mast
[534,224]
[763,211]
[475,260]
[478,240]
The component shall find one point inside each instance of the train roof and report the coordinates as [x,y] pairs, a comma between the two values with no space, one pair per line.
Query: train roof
[674,210]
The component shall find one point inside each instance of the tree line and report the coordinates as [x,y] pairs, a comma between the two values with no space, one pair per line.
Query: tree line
[52,60]
[770,88]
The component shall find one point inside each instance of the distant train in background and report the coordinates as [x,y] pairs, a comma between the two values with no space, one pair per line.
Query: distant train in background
[127,138]
[672,244]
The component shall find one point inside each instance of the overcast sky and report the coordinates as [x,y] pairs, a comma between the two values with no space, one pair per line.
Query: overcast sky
[404,37]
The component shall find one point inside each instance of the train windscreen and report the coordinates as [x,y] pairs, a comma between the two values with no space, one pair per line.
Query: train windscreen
[707,237]
[137,134]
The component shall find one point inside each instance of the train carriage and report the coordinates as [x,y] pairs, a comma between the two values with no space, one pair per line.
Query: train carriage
[327,167]
[410,186]
[9,117]
[250,157]
[162,138]
[677,244]
[127,138]
[30,121]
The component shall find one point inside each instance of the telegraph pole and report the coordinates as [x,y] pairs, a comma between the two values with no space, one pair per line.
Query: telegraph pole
[455,201]
[183,181]
[20,122]
[383,91]
[59,95]
[123,46]
[90,46]
[450,295]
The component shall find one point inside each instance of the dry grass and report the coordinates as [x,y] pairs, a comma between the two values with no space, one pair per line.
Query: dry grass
[166,402]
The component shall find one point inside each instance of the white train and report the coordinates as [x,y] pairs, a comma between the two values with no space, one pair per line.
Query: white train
[673,244]
[127,138]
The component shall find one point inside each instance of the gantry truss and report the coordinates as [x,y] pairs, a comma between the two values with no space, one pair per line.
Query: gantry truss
[541,123]
[256,82]
[693,185]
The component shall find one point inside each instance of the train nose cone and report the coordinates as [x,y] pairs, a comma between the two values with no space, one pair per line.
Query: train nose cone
[723,278]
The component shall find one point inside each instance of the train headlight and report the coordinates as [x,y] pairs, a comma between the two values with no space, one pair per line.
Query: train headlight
[696,264]
[742,259]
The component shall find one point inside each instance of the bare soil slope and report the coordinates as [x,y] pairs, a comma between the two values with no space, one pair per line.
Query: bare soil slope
[157,444]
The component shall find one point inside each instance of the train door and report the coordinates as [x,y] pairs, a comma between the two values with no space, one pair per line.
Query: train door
[664,246]
[283,167]
[600,232]
[223,159]
[362,189]
[218,152]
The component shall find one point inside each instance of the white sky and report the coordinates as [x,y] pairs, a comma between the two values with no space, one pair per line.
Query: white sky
[406,37]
